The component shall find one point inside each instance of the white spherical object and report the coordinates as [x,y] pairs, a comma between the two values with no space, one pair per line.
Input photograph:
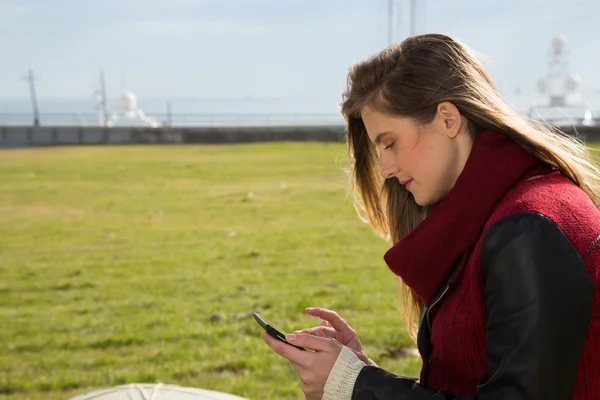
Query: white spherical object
[573,83]
[147,391]
[128,101]
[559,44]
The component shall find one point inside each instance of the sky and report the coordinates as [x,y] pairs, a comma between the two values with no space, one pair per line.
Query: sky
[273,48]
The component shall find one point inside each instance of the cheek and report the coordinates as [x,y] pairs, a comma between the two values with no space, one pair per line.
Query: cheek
[428,163]
[431,168]
[410,160]
[437,171]
[419,163]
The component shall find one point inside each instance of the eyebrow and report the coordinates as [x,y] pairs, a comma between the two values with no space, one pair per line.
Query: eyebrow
[380,137]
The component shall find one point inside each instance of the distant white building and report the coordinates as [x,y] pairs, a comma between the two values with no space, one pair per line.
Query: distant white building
[561,100]
[129,114]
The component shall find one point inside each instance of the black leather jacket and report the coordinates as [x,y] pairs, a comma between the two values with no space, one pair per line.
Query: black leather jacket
[533,352]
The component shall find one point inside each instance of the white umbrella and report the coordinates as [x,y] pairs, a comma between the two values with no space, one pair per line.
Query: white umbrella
[151,391]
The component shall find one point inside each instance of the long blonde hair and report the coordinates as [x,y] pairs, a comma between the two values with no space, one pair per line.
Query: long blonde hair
[410,79]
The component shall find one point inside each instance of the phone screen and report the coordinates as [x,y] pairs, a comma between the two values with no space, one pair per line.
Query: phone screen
[273,330]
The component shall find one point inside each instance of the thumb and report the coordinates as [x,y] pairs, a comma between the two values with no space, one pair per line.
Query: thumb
[310,341]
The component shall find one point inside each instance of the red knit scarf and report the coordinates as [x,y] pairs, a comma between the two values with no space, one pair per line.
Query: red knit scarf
[425,257]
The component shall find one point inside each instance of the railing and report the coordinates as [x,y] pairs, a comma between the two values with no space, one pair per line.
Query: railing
[218,120]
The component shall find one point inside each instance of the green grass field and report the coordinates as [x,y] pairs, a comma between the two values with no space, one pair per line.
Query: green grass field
[143,264]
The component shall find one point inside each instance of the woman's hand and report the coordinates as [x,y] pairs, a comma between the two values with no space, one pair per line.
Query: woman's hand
[313,367]
[327,340]
[333,326]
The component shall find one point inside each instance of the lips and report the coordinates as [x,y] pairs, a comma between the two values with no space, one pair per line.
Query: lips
[406,183]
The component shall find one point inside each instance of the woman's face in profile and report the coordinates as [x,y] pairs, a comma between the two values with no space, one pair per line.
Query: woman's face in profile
[428,159]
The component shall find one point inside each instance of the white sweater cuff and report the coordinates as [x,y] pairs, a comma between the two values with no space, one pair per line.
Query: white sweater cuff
[340,383]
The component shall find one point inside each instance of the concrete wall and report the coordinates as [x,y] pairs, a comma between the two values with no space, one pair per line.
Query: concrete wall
[23,136]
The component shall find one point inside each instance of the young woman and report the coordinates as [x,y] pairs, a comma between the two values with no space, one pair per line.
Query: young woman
[495,226]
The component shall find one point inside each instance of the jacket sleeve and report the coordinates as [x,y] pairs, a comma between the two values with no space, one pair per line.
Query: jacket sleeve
[538,298]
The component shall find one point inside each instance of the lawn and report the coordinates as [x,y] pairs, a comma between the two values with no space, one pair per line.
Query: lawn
[143,264]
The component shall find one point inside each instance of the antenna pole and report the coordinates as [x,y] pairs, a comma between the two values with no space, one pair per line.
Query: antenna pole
[103,103]
[390,22]
[34,102]
[413,11]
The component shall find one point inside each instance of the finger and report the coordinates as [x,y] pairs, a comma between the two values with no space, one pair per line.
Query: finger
[294,355]
[311,342]
[325,323]
[321,331]
[332,317]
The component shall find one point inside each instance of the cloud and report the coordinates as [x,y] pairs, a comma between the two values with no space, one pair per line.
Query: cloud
[205,28]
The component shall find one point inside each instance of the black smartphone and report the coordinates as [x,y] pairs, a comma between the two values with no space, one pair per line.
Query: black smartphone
[273,330]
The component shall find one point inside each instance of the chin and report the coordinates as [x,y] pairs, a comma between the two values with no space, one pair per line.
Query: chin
[425,201]
[422,203]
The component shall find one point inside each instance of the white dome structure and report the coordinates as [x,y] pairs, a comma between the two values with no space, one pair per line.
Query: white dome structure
[128,101]
[561,99]
[158,391]
[129,114]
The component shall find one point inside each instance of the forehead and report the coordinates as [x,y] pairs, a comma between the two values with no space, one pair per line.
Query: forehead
[369,114]
[377,122]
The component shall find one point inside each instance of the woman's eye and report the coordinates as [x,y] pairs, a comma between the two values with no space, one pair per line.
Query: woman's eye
[389,146]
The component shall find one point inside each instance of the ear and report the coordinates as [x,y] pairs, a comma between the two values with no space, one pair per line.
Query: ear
[449,119]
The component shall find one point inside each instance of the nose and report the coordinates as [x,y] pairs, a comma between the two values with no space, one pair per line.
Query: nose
[389,168]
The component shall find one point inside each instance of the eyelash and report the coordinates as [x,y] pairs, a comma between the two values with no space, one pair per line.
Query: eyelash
[389,146]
